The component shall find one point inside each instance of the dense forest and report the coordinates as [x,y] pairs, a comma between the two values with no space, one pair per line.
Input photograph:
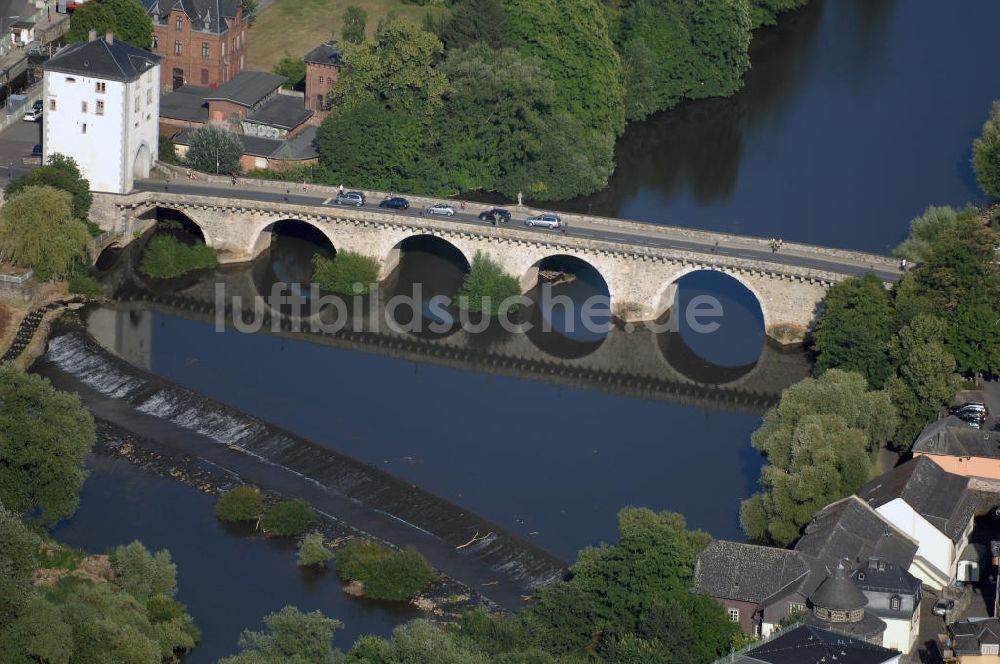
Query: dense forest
[524,95]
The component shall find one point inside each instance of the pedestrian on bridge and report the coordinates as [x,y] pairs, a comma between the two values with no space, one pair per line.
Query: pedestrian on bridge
[340,190]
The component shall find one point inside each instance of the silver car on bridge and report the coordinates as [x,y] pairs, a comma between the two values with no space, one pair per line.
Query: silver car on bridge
[544,220]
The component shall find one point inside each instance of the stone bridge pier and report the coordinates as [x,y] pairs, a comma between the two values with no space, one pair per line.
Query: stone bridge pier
[641,280]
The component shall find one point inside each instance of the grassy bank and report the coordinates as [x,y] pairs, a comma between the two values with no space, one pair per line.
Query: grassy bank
[166,256]
[346,269]
[298,26]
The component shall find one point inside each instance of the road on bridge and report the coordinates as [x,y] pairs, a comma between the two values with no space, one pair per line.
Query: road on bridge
[657,236]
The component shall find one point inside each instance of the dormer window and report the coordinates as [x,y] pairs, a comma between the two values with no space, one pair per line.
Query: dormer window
[895,602]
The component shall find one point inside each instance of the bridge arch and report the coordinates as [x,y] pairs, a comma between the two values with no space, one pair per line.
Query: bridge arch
[666,296]
[264,233]
[176,215]
[447,248]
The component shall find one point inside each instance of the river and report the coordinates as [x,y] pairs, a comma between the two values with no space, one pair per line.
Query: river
[857,114]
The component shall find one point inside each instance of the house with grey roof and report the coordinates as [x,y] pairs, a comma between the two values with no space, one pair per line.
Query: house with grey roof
[809,644]
[975,640]
[322,69]
[960,449]
[893,596]
[933,507]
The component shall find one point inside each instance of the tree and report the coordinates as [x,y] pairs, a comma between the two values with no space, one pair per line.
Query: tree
[288,518]
[312,551]
[142,574]
[927,228]
[765,12]
[127,19]
[395,69]
[250,8]
[45,436]
[291,637]
[854,328]
[585,67]
[986,154]
[925,380]
[819,442]
[487,286]
[475,22]
[386,573]
[292,68]
[214,150]
[62,173]
[37,230]
[242,503]
[17,565]
[355,20]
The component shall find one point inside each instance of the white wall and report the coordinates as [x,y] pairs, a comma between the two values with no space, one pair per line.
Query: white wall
[106,152]
[932,545]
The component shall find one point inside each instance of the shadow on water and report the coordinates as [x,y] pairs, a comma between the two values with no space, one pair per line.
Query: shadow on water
[569,311]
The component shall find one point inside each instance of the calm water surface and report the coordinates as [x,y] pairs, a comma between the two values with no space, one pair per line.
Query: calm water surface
[856,115]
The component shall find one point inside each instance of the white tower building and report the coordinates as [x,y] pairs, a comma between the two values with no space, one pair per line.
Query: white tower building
[102,107]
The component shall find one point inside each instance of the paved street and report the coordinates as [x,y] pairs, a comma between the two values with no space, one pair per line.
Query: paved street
[657,236]
[15,143]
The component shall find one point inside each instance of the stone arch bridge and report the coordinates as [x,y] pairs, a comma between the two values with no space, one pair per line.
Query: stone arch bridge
[640,263]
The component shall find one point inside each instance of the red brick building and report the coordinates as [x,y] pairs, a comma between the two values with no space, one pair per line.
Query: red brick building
[322,69]
[203,42]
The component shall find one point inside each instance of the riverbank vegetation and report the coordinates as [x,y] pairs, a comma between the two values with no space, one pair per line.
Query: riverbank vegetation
[986,154]
[479,99]
[166,257]
[820,442]
[38,230]
[347,273]
[385,573]
[313,551]
[241,503]
[486,286]
[288,518]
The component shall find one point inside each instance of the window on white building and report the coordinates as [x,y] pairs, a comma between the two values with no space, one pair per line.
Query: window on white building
[70,79]
[99,109]
[138,101]
[83,128]
[989,649]
[895,602]
[734,615]
[149,96]
[100,87]
[52,103]
[83,107]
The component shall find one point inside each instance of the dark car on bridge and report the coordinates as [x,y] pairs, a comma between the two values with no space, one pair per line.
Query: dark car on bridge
[395,203]
[495,215]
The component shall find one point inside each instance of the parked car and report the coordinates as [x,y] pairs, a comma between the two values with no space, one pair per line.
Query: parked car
[495,215]
[546,220]
[441,208]
[37,150]
[943,607]
[973,408]
[37,105]
[395,203]
[355,198]
[33,114]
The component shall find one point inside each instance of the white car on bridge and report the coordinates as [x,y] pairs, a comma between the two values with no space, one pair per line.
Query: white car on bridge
[546,220]
[441,208]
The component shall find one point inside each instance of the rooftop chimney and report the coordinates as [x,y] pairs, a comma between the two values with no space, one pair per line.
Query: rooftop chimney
[109,37]
[92,35]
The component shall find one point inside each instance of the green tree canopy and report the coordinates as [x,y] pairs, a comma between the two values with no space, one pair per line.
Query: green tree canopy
[45,436]
[926,379]
[475,22]
[395,69]
[573,42]
[854,328]
[355,21]
[290,637]
[126,18]
[927,228]
[143,574]
[313,551]
[214,150]
[292,68]
[819,442]
[986,154]
[62,173]
[38,230]
[766,12]
[17,564]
